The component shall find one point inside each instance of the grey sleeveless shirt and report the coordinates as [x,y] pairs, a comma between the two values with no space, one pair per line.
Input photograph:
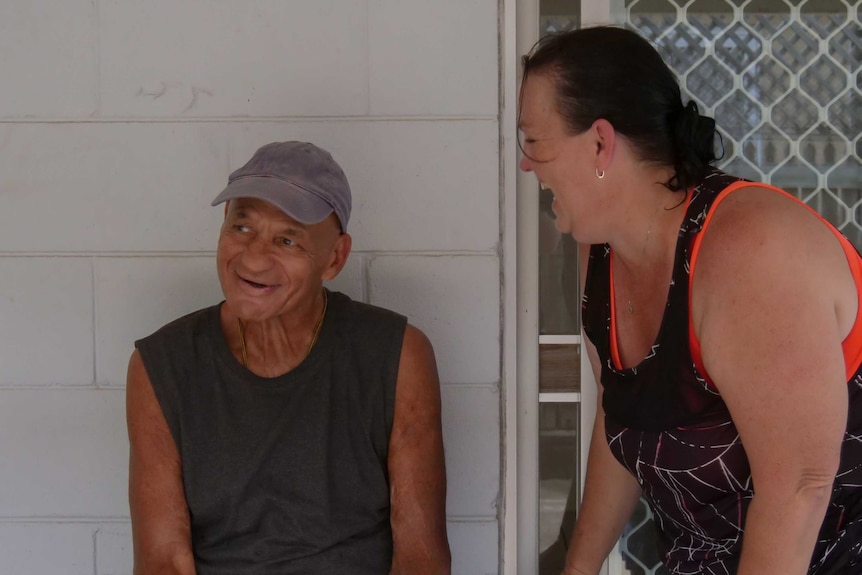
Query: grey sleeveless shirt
[289,474]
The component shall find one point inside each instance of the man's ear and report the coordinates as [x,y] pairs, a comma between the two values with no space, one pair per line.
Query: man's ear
[338,256]
[606,140]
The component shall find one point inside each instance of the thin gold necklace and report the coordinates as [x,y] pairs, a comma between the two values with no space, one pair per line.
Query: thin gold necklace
[313,335]
[629,307]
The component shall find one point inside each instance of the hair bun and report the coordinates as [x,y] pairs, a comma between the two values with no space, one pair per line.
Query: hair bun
[694,145]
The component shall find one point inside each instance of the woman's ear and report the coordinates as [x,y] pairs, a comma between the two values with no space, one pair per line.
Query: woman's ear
[606,139]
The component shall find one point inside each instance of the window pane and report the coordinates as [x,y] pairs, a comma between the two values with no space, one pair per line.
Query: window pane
[639,544]
[559,306]
[560,367]
[559,15]
[558,482]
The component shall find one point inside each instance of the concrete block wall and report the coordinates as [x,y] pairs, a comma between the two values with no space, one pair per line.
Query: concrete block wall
[120,121]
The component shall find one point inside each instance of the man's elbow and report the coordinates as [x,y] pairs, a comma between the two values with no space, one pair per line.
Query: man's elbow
[178,561]
[437,562]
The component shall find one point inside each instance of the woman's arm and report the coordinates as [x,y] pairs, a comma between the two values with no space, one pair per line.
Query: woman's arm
[610,491]
[772,301]
[610,496]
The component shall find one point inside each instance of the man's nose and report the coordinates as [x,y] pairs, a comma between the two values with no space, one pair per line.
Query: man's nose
[256,254]
[525,164]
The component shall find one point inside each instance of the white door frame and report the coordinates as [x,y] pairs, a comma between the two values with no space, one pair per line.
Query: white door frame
[519,541]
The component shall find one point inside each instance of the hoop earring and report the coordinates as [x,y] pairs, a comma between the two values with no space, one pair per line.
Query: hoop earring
[600,174]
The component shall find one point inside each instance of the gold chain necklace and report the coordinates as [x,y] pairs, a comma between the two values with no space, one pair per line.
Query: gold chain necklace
[313,335]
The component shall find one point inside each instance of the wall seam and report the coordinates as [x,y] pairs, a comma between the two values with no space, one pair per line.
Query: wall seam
[98,97]
[246,120]
[96,551]
[95,322]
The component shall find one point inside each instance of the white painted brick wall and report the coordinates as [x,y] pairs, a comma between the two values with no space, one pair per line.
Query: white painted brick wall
[114,550]
[228,59]
[46,548]
[35,348]
[432,57]
[120,121]
[48,58]
[438,293]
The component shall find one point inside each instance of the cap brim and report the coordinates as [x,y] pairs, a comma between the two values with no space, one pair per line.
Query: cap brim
[297,203]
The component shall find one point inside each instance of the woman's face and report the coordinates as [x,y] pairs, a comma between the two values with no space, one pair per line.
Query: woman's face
[560,160]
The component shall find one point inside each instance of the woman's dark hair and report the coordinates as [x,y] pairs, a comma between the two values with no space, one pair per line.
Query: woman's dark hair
[615,74]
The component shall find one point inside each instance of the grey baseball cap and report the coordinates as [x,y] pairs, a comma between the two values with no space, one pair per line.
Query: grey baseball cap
[299,178]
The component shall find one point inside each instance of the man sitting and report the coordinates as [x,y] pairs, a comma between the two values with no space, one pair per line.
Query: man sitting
[287,429]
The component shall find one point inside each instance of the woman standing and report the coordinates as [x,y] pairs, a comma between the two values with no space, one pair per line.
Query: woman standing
[722,323]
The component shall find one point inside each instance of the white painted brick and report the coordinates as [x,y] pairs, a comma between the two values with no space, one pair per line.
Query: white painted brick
[474,547]
[351,279]
[433,57]
[425,186]
[147,187]
[46,314]
[417,185]
[65,453]
[136,296]
[260,58]
[471,438]
[455,300]
[46,549]
[111,187]
[48,58]
[114,550]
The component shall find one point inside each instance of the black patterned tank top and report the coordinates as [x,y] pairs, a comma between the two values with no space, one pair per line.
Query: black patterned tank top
[669,427]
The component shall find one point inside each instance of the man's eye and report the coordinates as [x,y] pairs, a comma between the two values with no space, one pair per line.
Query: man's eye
[287,242]
[241,228]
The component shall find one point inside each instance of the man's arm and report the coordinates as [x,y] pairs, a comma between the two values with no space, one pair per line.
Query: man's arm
[161,531]
[417,473]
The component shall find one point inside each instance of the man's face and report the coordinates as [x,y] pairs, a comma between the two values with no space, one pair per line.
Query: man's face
[270,264]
